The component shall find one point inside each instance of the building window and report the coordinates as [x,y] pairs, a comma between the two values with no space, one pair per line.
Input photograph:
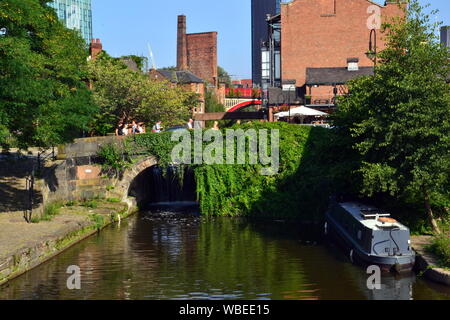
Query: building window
[265,64]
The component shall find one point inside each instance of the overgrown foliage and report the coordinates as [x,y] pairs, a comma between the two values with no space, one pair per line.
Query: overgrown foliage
[115,159]
[44,100]
[394,127]
[224,77]
[212,104]
[300,190]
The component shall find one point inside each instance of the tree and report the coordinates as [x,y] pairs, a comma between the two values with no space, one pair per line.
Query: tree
[398,121]
[124,94]
[43,98]
[224,77]
[171,68]
[212,104]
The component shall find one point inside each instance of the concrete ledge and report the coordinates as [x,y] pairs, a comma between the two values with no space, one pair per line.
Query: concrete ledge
[26,259]
[432,273]
[36,252]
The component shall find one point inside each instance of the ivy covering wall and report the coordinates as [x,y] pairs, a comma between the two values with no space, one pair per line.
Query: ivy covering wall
[301,189]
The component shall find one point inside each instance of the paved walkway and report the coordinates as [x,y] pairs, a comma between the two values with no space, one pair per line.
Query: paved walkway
[26,245]
[17,235]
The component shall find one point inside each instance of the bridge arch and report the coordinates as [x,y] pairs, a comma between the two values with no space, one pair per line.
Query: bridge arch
[127,185]
[145,184]
[245,104]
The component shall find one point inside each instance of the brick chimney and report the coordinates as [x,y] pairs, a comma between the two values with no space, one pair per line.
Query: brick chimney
[182,44]
[95,48]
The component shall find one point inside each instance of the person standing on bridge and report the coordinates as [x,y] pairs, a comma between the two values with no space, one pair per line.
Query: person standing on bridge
[216,125]
[119,129]
[157,128]
[190,124]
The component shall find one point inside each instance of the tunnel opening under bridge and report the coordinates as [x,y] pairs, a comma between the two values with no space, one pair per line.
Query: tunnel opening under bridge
[159,187]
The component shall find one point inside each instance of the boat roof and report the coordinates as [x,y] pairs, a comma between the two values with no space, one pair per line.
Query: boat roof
[366,215]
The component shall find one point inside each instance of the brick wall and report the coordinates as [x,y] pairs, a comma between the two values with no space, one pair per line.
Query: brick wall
[197,52]
[202,55]
[324,33]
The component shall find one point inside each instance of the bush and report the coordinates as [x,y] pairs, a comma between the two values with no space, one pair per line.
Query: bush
[115,159]
[440,246]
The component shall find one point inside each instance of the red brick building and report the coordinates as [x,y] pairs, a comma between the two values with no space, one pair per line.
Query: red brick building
[183,79]
[324,43]
[244,83]
[197,52]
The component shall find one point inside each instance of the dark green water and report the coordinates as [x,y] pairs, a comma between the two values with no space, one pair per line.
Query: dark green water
[190,257]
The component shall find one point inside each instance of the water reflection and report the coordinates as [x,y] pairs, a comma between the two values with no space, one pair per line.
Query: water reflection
[165,255]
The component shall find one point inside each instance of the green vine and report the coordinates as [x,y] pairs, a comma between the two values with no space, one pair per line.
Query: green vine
[300,189]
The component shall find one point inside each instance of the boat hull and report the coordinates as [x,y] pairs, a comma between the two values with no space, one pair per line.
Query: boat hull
[399,264]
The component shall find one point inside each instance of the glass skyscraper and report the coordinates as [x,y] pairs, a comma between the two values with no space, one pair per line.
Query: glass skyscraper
[75,14]
[260,33]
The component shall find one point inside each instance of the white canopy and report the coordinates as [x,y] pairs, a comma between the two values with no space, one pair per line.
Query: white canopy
[282,114]
[301,111]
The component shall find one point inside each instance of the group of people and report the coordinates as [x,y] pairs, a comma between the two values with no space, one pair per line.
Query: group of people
[139,127]
[126,129]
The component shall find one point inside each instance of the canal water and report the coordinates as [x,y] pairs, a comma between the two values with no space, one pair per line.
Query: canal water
[168,255]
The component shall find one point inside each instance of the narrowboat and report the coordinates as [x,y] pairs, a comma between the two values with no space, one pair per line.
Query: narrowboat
[372,237]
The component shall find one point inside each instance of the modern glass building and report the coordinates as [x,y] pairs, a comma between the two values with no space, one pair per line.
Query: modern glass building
[76,14]
[260,33]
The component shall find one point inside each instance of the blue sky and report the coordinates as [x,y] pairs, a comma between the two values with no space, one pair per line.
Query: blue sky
[125,27]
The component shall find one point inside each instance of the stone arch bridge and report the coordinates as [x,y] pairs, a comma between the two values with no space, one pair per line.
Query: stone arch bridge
[78,175]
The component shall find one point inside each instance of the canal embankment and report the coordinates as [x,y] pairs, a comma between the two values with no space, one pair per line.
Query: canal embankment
[23,246]
[427,263]
[301,190]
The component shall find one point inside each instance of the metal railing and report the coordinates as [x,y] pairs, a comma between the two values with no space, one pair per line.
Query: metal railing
[36,169]
[30,190]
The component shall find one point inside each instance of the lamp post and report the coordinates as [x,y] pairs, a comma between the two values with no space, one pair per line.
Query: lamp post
[372,53]
[281,94]
[287,89]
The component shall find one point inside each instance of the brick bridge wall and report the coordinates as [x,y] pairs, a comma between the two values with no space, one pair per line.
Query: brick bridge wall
[77,175]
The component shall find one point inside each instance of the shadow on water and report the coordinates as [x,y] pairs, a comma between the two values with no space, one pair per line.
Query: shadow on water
[169,251]
[166,255]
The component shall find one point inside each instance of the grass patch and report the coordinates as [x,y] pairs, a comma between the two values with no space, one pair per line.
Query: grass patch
[98,219]
[440,246]
[113,200]
[50,210]
[72,204]
[92,204]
